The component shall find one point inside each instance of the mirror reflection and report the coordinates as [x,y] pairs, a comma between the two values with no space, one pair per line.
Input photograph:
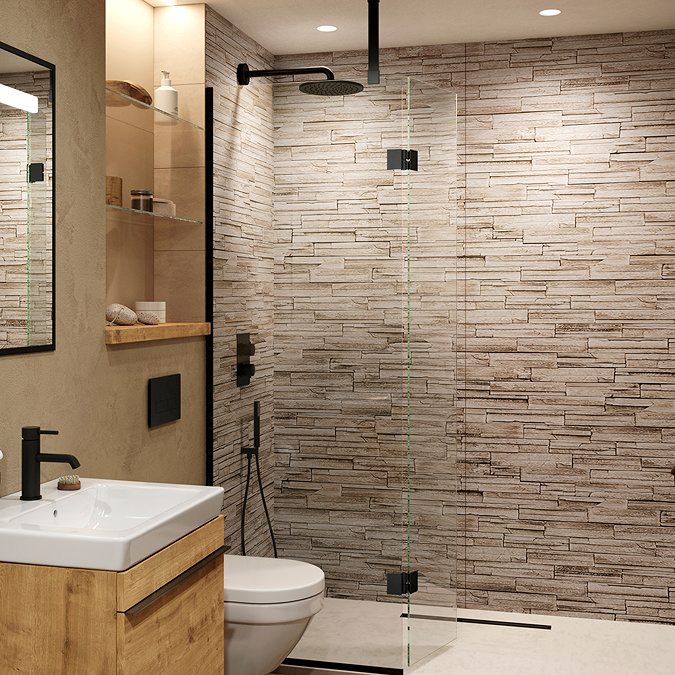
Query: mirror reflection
[26,202]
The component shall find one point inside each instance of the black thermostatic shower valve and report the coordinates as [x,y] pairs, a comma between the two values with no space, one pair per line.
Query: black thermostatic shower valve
[245,369]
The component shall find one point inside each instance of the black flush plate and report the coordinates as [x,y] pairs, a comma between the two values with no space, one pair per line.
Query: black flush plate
[163,399]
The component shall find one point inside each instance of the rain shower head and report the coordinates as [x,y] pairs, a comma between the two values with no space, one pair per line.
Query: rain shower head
[331,87]
[328,87]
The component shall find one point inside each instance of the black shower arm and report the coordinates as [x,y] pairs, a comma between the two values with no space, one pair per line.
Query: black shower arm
[244,74]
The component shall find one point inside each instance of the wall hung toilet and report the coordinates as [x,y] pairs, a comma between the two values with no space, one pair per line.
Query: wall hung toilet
[268,605]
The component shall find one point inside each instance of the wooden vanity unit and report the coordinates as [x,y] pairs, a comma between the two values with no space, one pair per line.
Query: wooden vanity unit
[163,615]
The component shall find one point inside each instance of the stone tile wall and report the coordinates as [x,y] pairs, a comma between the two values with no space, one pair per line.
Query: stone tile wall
[568,158]
[570,393]
[242,273]
[566,149]
[345,334]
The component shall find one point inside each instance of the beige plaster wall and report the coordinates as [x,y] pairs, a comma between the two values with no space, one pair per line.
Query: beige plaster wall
[94,395]
[129,41]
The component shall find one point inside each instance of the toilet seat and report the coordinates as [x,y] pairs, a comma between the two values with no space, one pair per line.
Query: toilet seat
[265,581]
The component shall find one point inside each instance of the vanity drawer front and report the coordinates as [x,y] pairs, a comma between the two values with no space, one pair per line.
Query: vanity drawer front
[179,633]
[149,575]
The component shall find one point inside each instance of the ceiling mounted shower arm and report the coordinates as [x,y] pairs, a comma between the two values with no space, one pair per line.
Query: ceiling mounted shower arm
[373,42]
[244,75]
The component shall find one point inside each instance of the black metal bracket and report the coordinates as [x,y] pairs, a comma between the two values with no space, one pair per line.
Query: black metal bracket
[373,42]
[245,369]
[402,583]
[253,452]
[36,172]
[244,73]
[403,160]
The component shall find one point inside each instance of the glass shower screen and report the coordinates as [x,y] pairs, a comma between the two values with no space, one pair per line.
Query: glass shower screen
[365,365]
[429,224]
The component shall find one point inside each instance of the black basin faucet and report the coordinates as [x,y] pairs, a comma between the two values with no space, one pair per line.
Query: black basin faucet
[31,457]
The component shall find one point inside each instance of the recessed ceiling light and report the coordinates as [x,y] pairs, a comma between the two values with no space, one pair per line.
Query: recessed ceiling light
[326,29]
[549,12]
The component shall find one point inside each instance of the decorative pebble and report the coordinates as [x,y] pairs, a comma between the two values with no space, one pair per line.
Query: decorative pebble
[148,317]
[120,315]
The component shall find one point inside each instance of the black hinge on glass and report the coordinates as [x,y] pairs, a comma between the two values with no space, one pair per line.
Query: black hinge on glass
[402,583]
[405,160]
[36,172]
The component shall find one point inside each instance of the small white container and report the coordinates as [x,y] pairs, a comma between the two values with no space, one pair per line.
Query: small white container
[158,308]
[163,207]
[166,97]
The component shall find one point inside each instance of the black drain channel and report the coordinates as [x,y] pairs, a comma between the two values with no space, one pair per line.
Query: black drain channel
[512,624]
[484,622]
[346,667]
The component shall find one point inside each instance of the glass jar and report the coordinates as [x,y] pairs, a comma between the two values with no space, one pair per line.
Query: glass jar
[141,200]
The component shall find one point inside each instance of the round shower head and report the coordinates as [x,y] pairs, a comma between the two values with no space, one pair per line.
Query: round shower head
[331,88]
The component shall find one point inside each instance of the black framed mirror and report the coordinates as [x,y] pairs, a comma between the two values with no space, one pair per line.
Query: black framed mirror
[27,204]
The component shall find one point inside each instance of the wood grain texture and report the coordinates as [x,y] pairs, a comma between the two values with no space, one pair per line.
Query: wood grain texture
[130,89]
[117,335]
[56,620]
[180,633]
[152,573]
[61,620]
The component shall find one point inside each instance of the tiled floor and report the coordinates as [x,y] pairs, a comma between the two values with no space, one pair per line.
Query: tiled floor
[570,647]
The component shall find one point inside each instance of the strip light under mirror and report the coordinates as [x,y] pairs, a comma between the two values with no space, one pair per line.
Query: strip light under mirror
[27,205]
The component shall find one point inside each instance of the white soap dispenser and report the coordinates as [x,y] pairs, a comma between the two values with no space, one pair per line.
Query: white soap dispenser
[166,97]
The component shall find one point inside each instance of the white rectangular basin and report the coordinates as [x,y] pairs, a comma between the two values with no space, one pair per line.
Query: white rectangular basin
[106,525]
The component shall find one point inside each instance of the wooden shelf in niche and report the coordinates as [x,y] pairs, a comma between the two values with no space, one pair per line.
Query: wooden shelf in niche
[149,255]
[118,335]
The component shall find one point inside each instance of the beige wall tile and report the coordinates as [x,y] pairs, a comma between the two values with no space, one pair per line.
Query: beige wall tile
[568,297]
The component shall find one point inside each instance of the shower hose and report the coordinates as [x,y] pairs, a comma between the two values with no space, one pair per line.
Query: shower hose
[248,452]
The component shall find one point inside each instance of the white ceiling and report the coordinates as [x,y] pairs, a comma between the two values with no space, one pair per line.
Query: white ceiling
[289,26]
